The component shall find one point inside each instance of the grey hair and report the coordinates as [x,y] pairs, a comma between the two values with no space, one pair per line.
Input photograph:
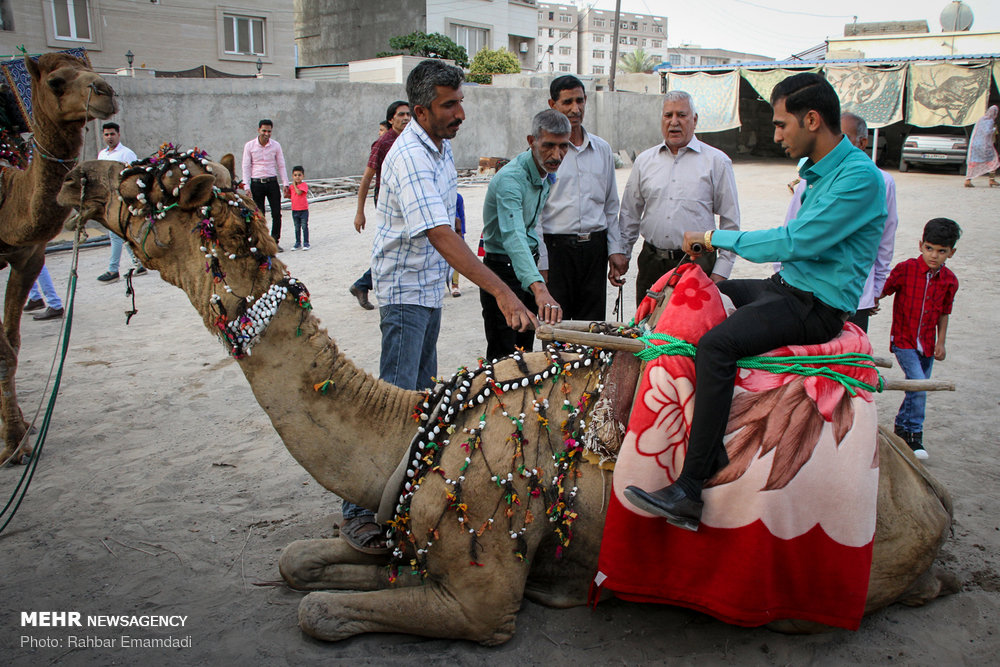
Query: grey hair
[860,127]
[423,80]
[551,121]
[680,96]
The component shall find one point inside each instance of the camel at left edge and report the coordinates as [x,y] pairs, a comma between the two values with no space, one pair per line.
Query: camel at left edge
[459,572]
[66,94]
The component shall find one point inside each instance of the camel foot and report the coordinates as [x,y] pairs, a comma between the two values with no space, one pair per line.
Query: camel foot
[934,583]
[9,457]
[316,565]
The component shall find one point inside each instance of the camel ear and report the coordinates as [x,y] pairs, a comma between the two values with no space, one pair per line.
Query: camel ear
[196,192]
[229,162]
[32,66]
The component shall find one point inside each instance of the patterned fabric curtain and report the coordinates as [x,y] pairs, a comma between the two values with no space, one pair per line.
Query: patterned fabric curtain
[946,94]
[765,81]
[716,98]
[874,94]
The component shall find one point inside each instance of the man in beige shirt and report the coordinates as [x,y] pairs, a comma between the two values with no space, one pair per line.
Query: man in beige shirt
[677,186]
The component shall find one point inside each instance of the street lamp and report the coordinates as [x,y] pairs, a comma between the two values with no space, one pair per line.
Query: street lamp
[260,66]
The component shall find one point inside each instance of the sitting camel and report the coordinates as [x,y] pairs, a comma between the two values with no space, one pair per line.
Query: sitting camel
[496,501]
[66,95]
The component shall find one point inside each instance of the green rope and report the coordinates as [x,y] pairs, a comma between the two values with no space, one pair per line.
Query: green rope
[680,347]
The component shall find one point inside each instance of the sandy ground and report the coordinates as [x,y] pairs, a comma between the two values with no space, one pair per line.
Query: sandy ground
[163,488]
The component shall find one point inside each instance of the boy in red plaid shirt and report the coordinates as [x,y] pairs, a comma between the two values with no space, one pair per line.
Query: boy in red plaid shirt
[925,290]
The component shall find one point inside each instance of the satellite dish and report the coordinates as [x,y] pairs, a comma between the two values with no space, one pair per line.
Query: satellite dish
[956,17]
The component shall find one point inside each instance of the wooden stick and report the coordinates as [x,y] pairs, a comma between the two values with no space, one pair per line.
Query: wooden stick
[919,385]
[547,332]
[882,362]
[584,325]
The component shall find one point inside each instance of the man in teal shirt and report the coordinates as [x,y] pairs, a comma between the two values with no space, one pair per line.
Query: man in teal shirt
[514,199]
[826,253]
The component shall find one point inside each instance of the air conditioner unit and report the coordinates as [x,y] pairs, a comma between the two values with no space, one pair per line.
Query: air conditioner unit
[524,47]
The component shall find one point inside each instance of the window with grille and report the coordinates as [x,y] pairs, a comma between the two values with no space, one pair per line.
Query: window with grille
[563,67]
[71,19]
[598,69]
[598,54]
[657,43]
[565,50]
[566,18]
[598,39]
[473,39]
[244,35]
[598,23]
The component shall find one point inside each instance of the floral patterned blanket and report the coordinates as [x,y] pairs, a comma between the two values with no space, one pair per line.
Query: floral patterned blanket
[788,526]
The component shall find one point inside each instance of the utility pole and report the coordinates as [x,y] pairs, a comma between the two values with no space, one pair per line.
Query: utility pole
[614,44]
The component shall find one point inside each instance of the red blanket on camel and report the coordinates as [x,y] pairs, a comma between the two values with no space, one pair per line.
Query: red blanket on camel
[788,526]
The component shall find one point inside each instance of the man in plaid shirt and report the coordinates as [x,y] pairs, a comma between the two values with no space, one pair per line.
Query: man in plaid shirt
[925,290]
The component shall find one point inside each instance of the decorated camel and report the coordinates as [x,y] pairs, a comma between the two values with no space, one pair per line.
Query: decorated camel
[489,497]
[66,94]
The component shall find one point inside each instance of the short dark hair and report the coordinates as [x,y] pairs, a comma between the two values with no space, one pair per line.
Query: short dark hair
[264,121]
[111,126]
[565,82]
[807,92]
[942,231]
[298,167]
[386,124]
[423,80]
[391,111]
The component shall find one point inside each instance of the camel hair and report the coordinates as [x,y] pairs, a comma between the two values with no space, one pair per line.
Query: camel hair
[507,510]
[65,94]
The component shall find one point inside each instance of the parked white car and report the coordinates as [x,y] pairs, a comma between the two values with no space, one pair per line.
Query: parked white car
[935,146]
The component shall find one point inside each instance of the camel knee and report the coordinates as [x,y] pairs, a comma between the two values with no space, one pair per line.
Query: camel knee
[934,583]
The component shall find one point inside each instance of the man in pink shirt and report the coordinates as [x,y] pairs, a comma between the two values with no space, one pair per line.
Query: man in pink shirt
[264,172]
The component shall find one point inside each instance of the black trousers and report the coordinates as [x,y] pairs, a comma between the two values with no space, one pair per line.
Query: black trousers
[652,265]
[769,314]
[500,338]
[577,274]
[272,192]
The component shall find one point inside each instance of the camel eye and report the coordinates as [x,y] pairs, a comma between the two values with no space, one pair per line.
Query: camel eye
[57,84]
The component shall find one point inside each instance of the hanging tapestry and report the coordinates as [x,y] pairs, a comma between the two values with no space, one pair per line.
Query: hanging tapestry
[716,98]
[872,93]
[764,81]
[946,94]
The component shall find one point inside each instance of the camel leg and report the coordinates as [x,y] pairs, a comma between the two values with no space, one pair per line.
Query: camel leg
[316,565]
[485,615]
[933,583]
[14,426]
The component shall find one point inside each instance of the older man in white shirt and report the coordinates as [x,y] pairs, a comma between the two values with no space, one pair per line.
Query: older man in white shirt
[677,186]
[580,218]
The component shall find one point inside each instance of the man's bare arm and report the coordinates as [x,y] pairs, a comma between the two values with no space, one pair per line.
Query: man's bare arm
[366,181]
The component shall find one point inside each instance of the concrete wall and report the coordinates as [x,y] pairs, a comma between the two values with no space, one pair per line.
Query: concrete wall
[338,31]
[329,127]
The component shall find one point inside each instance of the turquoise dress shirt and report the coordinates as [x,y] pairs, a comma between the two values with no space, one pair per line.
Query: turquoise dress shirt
[830,246]
[514,199]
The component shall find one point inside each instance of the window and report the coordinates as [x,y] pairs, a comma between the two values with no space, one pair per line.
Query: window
[552,32]
[633,41]
[563,35]
[657,28]
[565,50]
[598,39]
[552,66]
[539,49]
[643,42]
[598,54]
[473,39]
[541,32]
[6,20]
[675,59]
[71,19]
[565,18]
[657,43]
[711,61]
[623,25]
[552,16]
[244,35]
[633,25]
[563,67]
[550,48]
[598,23]
[598,69]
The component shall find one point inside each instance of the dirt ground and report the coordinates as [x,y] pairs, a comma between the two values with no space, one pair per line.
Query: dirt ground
[164,490]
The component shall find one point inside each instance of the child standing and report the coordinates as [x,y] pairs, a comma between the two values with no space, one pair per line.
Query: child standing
[925,290]
[297,191]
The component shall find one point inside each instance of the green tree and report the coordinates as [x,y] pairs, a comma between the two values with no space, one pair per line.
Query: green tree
[434,45]
[637,61]
[490,61]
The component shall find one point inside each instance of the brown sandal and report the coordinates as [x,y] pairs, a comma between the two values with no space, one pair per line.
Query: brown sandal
[364,534]
[969,184]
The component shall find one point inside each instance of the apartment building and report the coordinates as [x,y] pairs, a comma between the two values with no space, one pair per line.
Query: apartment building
[688,55]
[571,39]
[160,35]
[339,31]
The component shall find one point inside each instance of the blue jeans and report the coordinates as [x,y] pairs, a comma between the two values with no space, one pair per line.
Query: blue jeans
[301,221]
[365,281]
[117,243]
[44,282]
[916,366]
[409,345]
[409,356]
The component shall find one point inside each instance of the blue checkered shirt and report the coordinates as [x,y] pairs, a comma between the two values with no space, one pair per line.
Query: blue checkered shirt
[419,191]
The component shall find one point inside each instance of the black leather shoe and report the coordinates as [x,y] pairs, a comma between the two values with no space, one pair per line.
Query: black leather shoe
[669,502]
[49,313]
[34,304]
[362,296]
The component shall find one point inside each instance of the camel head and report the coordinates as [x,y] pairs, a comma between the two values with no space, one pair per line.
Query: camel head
[66,91]
[180,214]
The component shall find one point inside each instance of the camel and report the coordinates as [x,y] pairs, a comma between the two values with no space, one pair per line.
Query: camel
[66,95]
[496,504]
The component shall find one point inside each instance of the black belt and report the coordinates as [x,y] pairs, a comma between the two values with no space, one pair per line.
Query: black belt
[664,253]
[576,238]
[504,259]
[842,314]
[264,180]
